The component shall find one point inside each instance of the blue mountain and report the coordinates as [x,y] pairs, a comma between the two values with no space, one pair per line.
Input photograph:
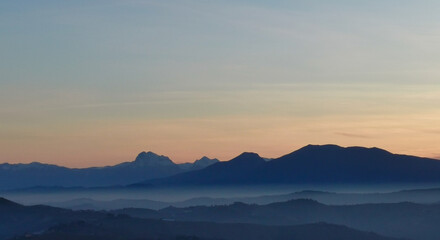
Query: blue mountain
[314,164]
[147,165]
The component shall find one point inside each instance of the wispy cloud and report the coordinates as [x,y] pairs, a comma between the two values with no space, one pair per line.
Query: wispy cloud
[353,135]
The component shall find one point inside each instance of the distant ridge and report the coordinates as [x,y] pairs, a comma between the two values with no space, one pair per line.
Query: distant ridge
[199,164]
[314,164]
[147,165]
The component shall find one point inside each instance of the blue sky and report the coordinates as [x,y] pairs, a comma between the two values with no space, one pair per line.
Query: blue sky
[94,82]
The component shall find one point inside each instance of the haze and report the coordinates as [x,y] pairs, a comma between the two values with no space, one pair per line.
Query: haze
[94,84]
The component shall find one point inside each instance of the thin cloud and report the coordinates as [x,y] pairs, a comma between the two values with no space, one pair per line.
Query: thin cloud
[352,135]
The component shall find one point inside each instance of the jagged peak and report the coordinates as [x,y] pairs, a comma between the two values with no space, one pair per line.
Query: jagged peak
[151,158]
[147,154]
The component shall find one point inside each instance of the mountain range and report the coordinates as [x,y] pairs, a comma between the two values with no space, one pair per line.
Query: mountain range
[420,196]
[147,165]
[20,222]
[314,164]
[401,220]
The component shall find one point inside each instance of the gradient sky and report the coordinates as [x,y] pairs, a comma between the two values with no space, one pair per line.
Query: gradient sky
[93,83]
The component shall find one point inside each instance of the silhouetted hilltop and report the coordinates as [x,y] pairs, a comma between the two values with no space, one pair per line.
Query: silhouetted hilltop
[199,164]
[152,159]
[237,170]
[314,164]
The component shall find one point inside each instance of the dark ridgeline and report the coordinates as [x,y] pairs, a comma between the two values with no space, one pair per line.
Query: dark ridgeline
[327,164]
[42,222]
[401,220]
[146,165]
[422,196]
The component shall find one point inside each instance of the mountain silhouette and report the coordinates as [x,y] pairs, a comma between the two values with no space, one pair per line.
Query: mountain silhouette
[121,227]
[46,223]
[237,170]
[151,159]
[199,164]
[421,196]
[147,165]
[401,220]
[315,164]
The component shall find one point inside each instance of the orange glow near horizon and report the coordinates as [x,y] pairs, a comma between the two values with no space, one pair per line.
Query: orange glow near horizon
[94,84]
[189,139]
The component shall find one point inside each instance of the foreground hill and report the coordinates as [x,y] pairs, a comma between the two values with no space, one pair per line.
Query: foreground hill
[42,222]
[405,220]
[327,164]
[147,165]
[137,229]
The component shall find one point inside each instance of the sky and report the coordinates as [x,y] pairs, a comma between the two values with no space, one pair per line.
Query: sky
[93,83]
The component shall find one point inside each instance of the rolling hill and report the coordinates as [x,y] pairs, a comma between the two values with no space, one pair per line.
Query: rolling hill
[401,220]
[41,222]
